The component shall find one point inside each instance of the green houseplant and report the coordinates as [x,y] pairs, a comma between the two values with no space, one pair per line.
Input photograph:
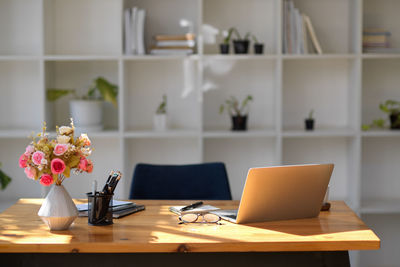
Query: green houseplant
[309,121]
[4,179]
[160,118]
[390,107]
[238,112]
[87,110]
[224,47]
[241,45]
[258,47]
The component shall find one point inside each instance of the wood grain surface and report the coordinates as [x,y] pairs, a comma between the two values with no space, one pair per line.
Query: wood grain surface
[157,230]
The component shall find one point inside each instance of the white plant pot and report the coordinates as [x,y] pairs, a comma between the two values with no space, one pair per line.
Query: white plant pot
[58,210]
[160,122]
[87,115]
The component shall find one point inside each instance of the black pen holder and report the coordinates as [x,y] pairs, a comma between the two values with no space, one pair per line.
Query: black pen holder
[100,209]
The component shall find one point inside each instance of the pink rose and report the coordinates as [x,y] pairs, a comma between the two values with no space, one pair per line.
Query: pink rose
[22,161]
[83,163]
[37,157]
[30,172]
[57,166]
[60,149]
[46,179]
[29,150]
[89,167]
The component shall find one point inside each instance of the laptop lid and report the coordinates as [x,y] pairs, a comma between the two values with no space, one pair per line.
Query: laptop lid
[283,192]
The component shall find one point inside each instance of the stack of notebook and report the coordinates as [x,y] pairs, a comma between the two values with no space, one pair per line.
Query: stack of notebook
[120,208]
[174,44]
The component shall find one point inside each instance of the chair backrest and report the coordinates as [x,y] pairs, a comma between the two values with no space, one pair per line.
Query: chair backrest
[208,181]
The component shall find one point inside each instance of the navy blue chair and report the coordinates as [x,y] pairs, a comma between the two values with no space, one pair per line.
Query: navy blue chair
[208,181]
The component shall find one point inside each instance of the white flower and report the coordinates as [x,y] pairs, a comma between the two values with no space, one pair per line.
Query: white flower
[40,167]
[65,130]
[63,139]
[44,161]
[85,139]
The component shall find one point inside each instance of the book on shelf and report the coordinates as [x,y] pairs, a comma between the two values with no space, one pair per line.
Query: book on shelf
[173,45]
[134,21]
[375,38]
[183,37]
[297,27]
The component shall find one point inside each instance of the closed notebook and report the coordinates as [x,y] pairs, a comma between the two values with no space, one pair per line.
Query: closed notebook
[201,209]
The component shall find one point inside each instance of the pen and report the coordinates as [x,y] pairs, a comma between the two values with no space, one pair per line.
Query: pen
[192,206]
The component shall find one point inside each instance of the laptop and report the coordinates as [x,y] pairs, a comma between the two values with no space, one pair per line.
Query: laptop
[281,193]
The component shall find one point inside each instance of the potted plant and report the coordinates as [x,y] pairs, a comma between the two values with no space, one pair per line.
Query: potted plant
[241,45]
[237,112]
[258,47]
[309,121]
[160,118]
[87,111]
[390,107]
[4,179]
[224,47]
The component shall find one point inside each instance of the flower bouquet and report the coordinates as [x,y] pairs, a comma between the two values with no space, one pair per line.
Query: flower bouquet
[50,162]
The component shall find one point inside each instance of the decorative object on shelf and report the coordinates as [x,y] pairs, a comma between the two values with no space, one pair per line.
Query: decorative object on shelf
[174,44]
[51,162]
[237,112]
[4,179]
[258,47]
[309,121]
[87,111]
[224,47]
[160,118]
[241,45]
[390,107]
[134,20]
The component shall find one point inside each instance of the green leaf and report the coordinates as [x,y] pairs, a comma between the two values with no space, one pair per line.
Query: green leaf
[365,127]
[4,180]
[53,94]
[380,123]
[221,109]
[107,90]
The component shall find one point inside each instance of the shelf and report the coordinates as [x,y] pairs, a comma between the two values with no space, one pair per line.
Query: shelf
[173,133]
[380,206]
[240,57]
[332,132]
[381,133]
[159,58]
[19,58]
[102,134]
[315,56]
[80,57]
[381,56]
[239,134]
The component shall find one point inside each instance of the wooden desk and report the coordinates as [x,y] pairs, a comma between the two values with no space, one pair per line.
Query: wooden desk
[157,230]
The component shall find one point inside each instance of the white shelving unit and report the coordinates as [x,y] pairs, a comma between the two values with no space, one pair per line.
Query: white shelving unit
[66,44]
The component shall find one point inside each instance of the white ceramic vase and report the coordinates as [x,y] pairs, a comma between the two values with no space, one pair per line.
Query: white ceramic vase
[58,210]
[160,122]
[87,115]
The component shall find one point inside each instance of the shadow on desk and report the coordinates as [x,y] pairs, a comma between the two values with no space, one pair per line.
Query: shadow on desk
[298,259]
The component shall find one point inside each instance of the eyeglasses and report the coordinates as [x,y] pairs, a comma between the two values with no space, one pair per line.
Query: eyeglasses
[193,218]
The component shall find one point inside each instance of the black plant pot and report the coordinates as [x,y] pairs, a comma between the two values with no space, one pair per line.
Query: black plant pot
[395,121]
[241,46]
[258,48]
[309,124]
[224,48]
[239,123]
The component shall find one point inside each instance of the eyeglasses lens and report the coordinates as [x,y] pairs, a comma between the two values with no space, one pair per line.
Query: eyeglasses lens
[189,218]
[211,218]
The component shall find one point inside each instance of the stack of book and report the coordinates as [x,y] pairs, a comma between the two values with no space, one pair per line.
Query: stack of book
[295,28]
[375,40]
[134,19]
[120,208]
[174,44]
